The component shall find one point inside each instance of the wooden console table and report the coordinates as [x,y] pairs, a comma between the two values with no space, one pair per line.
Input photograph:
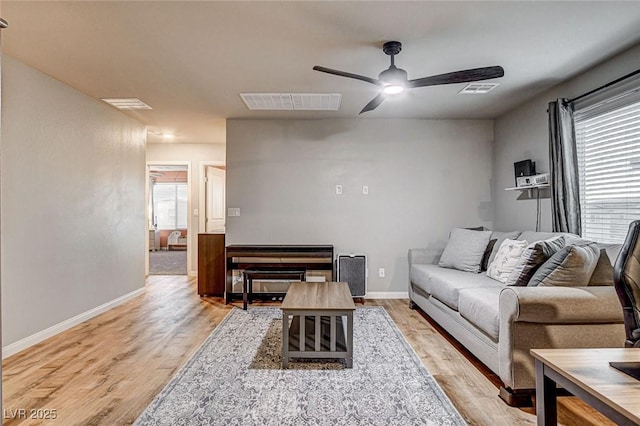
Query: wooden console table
[586,373]
[308,257]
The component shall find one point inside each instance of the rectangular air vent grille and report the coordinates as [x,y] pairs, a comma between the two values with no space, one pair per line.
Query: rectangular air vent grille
[292,101]
[126,103]
[478,88]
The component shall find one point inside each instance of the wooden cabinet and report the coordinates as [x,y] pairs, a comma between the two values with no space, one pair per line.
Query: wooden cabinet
[211,264]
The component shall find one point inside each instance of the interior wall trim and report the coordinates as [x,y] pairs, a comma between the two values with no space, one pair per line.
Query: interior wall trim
[40,336]
[387,295]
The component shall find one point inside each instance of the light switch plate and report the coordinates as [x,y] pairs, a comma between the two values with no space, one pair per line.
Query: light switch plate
[233,211]
[338,189]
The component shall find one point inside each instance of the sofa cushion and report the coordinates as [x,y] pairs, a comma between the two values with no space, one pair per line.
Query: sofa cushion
[465,249]
[420,276]
[532,236]
[505,261]
[533,256]
[572,266]
[444,284]
[500,237]
[481,307]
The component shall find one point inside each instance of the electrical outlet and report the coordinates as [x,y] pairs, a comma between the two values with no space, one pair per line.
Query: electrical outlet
[338,189]
[381,272]
[365,190]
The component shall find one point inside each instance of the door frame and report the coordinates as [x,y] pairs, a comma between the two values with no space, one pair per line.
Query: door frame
[192,235]
[202,192]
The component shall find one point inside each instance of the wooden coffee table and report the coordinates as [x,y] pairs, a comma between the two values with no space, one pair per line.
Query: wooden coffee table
[317,328]
[586,373]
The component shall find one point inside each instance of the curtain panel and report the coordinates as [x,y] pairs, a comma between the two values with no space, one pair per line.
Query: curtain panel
[563,164]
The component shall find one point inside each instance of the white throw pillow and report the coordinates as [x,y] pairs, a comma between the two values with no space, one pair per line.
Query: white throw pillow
[465,249]
[506,259]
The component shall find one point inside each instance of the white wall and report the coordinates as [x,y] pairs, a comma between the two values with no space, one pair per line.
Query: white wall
[193,154]
[524,133]
[424,176]
[73,177]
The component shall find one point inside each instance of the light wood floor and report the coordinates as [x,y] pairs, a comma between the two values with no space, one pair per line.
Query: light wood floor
[107,370]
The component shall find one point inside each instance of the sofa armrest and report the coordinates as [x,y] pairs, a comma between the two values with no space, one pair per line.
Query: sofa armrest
[553,317]
[560,305]
[424,256]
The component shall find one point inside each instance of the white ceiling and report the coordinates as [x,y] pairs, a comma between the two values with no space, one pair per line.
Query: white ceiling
[190,60]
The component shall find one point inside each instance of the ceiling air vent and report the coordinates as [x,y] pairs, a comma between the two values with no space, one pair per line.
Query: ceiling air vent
[292,101]
[126,103]
[478,88]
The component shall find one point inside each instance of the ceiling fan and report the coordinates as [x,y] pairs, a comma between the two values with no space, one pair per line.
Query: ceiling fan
[394,80]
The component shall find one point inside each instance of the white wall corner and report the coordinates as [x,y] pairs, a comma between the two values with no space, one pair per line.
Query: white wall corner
[40,336]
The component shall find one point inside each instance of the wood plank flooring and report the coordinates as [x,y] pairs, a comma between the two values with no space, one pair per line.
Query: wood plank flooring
[107,370]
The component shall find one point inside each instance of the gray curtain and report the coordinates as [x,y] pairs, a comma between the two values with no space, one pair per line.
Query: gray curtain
[563,164]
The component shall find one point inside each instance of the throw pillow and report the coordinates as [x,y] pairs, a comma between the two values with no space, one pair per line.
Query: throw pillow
[603,274]
[487,254]
[532,258]
[500,237]
[465,249]
[570,267]
[505,260]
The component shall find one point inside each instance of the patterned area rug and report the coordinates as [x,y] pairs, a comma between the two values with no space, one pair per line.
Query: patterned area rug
[235,378]
[163,262]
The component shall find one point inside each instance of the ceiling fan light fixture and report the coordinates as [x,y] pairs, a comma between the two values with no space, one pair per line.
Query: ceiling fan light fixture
[393,89]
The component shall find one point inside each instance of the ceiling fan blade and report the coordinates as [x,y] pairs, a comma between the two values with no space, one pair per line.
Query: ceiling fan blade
[466,76]
[375,103]
[348,75]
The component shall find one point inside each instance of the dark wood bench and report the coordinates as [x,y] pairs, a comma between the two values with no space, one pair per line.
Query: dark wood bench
[248,275]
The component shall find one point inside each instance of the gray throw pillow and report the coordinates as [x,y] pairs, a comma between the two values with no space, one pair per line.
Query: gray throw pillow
[532,258]
[570,267]
[465,249]
[500,237]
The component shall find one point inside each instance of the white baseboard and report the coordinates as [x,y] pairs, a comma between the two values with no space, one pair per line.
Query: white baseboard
[387,295]
[38,337]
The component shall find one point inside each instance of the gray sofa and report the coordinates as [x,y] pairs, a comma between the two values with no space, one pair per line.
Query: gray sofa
[500,324]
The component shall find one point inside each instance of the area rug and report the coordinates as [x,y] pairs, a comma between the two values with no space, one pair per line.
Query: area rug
[235,378]
[164,262]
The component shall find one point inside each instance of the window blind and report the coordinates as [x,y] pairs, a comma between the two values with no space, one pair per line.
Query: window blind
[608,151]
[170,205]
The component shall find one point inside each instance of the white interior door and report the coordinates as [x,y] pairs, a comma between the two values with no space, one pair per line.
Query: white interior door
[215,195]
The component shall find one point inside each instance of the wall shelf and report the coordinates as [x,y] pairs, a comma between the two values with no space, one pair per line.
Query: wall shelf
[526,188]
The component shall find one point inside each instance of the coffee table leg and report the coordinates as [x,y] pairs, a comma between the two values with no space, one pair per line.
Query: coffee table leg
[350,340]
[285,340]
[244,292]
[546,398]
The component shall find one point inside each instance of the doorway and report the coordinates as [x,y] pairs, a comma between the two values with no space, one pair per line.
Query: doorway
[168,218]
[213,196]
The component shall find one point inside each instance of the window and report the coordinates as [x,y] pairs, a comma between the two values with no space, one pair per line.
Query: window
[608,150]
[170,205]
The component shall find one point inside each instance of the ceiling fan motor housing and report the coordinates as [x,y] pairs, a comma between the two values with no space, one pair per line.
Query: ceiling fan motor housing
[392,47]
[393,75]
